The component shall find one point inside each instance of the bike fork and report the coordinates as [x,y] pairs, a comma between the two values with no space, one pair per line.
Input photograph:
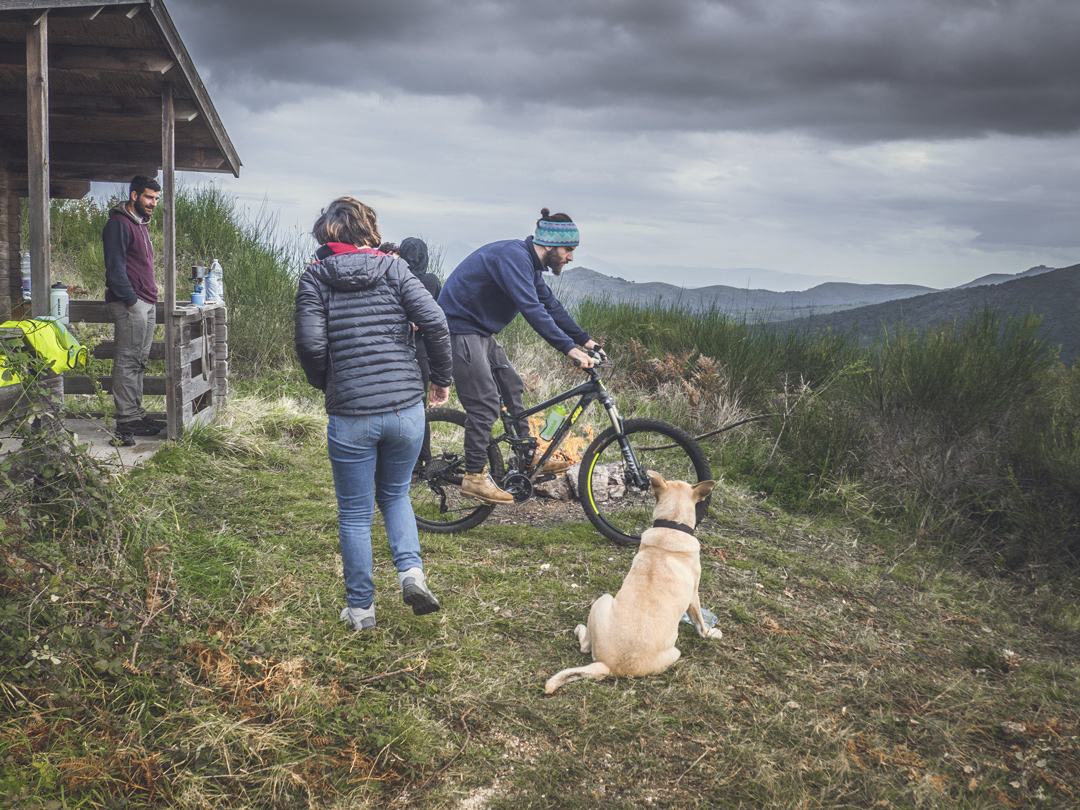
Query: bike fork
[634,472]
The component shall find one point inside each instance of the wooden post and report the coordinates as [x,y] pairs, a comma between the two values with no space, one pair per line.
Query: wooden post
[37,162]
[173,404]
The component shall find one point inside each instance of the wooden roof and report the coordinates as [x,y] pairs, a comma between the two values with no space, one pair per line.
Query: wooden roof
[108,63]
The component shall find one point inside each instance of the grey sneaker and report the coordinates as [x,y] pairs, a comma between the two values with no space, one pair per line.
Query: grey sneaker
[359,618]
[415,593]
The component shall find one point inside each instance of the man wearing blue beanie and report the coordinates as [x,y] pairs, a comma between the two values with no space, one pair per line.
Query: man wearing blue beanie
[483,294]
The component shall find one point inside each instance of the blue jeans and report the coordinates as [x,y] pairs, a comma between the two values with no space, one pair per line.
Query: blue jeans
[373,458]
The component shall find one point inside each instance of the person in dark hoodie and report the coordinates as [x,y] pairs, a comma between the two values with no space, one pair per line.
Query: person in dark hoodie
[415,253]
[131,301]
[355,310]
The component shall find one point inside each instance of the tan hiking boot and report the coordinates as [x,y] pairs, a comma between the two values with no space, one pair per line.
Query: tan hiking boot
[556,465]
[483,488]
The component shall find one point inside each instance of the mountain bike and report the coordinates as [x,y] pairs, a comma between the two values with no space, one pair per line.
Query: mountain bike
[612,484]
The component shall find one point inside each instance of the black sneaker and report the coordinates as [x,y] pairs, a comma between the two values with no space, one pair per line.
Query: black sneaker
[155,423]
[137,427]
[123,440]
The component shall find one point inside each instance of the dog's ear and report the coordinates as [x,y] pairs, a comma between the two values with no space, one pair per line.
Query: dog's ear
[703,489]
[657,482]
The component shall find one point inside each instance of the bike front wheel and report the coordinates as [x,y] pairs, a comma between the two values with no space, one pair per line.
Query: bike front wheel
[436,486]
[617,505]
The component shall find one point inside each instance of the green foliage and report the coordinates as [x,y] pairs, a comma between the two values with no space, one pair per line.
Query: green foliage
[959,378]
[757,361]
[260,271]
[49,485]
[76,227]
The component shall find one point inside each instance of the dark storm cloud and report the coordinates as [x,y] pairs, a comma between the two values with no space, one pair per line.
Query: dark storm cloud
[850,70]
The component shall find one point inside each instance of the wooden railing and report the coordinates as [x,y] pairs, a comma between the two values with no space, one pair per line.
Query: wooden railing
[201,365]
[201,355]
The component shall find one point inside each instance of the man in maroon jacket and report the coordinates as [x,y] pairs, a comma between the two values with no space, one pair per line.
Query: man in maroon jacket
[131,299]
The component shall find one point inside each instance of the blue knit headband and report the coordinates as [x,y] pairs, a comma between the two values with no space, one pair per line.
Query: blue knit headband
[556,234]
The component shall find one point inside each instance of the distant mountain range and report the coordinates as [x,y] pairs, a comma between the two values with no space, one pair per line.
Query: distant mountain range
[757,305]
[1054,294]
[1001,278]
[863,308]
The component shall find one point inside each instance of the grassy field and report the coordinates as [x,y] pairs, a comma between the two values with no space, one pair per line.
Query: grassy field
[891,550]
[202,664]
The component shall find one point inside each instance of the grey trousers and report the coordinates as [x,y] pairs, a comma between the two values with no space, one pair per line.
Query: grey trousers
[481,372]
[133,332]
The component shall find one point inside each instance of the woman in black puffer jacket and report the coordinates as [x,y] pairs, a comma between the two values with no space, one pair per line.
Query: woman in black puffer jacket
[355,308]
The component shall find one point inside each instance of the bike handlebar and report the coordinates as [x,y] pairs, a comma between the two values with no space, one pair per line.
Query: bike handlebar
[596,353]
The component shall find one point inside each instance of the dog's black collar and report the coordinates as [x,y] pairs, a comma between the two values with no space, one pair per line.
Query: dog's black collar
[670,524]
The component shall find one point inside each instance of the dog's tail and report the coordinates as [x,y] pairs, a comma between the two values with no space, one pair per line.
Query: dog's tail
[596,670]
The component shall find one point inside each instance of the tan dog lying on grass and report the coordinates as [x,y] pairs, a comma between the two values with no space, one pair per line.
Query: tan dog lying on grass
[634,632]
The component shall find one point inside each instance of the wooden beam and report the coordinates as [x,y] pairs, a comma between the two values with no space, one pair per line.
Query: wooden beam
[60,187]
[72,156]
[174,419]
[122,60]
[89,106]
[83,58]
[22,5]
[186,67]
[82,384]
[37,151]
[76,185]
[12,108]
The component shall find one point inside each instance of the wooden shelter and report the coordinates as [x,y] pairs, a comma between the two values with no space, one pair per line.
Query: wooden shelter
[100,91]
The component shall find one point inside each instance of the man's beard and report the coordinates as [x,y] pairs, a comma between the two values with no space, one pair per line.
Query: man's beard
[140,209]
[552,263]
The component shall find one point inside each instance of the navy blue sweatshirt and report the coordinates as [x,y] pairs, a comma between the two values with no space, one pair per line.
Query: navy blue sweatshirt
[493,284]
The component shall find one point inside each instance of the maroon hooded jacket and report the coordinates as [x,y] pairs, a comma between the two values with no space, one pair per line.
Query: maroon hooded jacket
[129,258]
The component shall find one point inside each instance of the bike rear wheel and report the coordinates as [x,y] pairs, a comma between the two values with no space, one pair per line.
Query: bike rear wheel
[436,488]
[618,506]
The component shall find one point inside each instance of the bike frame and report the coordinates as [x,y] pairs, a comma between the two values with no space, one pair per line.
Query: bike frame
[590,392]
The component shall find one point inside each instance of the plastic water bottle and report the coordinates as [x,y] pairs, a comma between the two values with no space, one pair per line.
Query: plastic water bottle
[707,616]
[59,302]
[215,284]
[26,276]
[555,418]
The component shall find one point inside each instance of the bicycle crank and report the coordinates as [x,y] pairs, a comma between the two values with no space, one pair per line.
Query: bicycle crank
[518,485]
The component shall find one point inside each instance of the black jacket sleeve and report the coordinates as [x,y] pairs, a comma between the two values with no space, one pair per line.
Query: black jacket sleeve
[422,310]
[312,345]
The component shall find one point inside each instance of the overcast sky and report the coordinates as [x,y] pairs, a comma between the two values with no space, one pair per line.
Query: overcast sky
[895,141]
